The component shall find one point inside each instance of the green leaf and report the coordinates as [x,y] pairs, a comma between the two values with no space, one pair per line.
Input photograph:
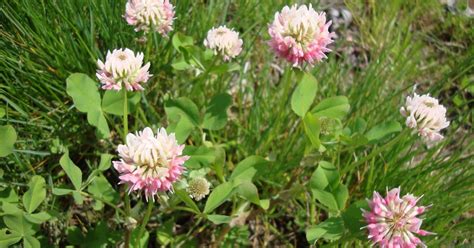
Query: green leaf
[72,171]
[216,113]
[112,102]
[181,40]
[219,162]
[332,107]
[10,208]
[331,229]
[38,218]
[35,194]
[8,195]
[181,65]
[165,233]
[74,235]
[326,198]
[8,138]
[31,242]
[220,194]
[199,156]
[61,191]
[223,68]
[360,125]
[304,94]
[184,107]
[78,198]
[84,91]
[265,203]
[85,94]
[249,192]
[181,127]
[248,167]
[19,224]
[2,112]
[102,189]
[325,175]
[353,220]
[219,219]
[98,120]
[341,193]
[105,161]
[382,130]
[184,196]
[100,236]
[183,115]
[314,233]
[312,128]
[143,242]
[8,239]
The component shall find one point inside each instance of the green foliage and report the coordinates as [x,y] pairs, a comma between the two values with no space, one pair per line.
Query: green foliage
[326,187]
[72,171]
[333,107]
[199,156]
[248,168]
[304,94]
[312,128]
[35,194]
[8,136]
[183,116]
[380,131]
[85,93]
[219,219]
[330,229]
[112,102]
[216,112]
[219,194]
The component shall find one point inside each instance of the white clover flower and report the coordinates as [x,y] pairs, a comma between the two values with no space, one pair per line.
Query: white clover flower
[149,15]
[123,67]
[224,41]
[300,34]
[198,188]
[426,115]
[150,163]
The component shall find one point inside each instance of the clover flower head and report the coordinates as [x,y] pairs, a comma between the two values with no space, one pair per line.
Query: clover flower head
[123,67]
[146,15]
[198,188]
[393,222]
[426,115]
[224,41]
[300,34]
[150,163]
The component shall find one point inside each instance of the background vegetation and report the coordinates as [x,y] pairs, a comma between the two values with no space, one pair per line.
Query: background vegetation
[386,48]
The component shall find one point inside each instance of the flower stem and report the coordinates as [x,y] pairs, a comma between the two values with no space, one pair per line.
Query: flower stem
[146,218]
[125,114]
[125,132]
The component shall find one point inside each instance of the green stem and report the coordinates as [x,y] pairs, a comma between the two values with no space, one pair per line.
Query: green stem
[125,114]
[149,43]
[312,210]
[125,132]
[146,218]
